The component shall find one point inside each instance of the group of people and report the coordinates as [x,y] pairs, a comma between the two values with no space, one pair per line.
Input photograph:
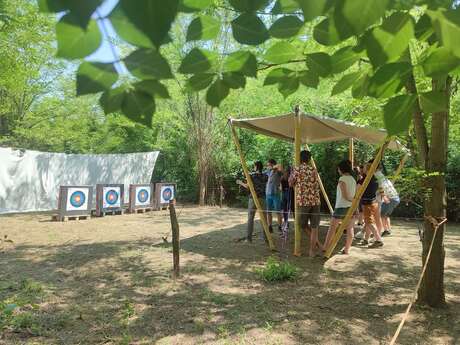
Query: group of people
[274,190]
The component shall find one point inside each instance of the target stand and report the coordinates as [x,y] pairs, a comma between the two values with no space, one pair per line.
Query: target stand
[140,198]
[74,203]
[164,193]
[109,199]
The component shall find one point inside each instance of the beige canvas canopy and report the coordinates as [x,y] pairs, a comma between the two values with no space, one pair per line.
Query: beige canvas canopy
[314,129]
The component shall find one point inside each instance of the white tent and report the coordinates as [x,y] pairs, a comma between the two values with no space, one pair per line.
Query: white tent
[314,129]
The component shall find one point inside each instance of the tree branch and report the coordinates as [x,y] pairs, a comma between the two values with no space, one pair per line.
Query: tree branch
[269,65]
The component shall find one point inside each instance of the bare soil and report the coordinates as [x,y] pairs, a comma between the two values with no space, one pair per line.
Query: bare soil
[108,281]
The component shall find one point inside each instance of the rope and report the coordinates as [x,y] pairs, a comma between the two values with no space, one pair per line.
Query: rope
[435,225]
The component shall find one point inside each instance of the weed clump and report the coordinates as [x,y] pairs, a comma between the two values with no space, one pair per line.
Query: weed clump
[277,271]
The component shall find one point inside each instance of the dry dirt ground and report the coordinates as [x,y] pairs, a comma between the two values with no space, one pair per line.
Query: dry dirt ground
[108,281]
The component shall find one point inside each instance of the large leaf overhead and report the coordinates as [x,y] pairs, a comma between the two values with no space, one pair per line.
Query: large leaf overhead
[81,10]
[387,42]
[389,79]
[320,63]
[397,113]
[312,8]
[345,83]
[201,81]
[446,23]
[249,29]
[74,42]
[127,30]
[198,61]
[286,27]
[93,77]
[203,28]
[343,58]
[285,6]
[440,62]
[326,32]
[148,64]
[217,93]
[358,15]
[193,5]
[153,88]
[138,106]
[152,17]
[280,52]
[248,5]
[241,61]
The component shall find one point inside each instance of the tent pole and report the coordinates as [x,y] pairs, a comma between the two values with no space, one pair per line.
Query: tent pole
[400,166]
[297,144]
[321,186]
[351,151]
[261,212]
[357,197]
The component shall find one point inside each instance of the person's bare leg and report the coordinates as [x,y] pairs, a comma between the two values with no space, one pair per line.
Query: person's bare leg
[280,218]
[350,236]
[376,233]
[331,232]
[313,240]
[378,220]
[367,232]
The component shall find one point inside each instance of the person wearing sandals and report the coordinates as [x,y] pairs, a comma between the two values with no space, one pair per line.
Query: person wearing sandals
[390,200]
[305,177]
[371,212]
[346,189]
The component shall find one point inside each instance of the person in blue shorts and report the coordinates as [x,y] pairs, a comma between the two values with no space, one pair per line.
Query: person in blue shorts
[273,193]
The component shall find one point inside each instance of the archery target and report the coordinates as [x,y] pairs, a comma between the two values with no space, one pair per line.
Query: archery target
[166,194]
[111,197]
[77,199]
[143,196]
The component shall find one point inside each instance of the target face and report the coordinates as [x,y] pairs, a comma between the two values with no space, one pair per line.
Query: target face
[77,199]
[112,197]
[143,196]
[166,194]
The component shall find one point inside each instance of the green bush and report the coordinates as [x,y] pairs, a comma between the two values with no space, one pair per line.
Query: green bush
[276,271]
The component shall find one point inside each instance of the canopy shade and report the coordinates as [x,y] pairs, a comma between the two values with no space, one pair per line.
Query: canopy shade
[314,129]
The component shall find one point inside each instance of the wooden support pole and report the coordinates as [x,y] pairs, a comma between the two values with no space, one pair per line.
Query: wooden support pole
[321,186]
[261,212]
[297,144]
[400,166]
[351,151]
[357,198]
[175,239]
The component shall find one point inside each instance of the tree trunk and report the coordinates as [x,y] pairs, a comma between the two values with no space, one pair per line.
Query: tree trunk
[432,289]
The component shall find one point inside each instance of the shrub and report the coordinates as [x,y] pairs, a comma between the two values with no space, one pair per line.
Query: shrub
[275,270]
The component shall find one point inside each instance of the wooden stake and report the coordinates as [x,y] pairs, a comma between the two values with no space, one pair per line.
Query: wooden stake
[321,186]
[261,212]
[297,144]
[351,151]
[357,198]
[400,166]
[175,239]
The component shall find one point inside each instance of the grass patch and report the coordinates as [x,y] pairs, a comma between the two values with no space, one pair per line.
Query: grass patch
[277,271]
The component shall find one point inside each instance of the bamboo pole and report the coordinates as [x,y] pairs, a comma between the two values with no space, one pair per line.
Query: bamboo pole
[175,239]
[321,186]
[297,144]
[400,166]
[357,197]
[351,151]
[261,212]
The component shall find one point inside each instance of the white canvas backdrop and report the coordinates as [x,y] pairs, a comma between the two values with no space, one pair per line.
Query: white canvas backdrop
[30,180]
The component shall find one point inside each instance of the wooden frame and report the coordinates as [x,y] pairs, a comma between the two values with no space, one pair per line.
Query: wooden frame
[100,209]
[158,205]
[62,203]
[132,197]
[297,147]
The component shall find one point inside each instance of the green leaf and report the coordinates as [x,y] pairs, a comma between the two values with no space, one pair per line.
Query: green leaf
[397,113]
[194,5]
[358,15]
[153,88]
[280,52]
[433,102]
[423,28]
[320,63]
[93,77]
[198,61]
[326,33]
[288,85]
[203,28]
[152,17]
[200,81]
[75,42]
[286,27]
[217,93]
[308,78]
[285,6]
[389,79]
[234,80]
[81,10]
[312,8]
[345,83]
[241,61]
[387,42]
[440,62]
[343,58]
[446,24]
[52,6]
[112,99]
[359,89]
[277,75]
[127,30]
[248,5]
[148,64]
[138,106]
[249,29]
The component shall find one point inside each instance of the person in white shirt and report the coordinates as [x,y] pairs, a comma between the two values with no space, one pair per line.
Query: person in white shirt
[346,189]
[390,200]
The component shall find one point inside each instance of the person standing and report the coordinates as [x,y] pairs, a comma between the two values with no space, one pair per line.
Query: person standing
[390,200]
[305,177]
[287,196]
[259,180]
[273,193]
[346,189]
